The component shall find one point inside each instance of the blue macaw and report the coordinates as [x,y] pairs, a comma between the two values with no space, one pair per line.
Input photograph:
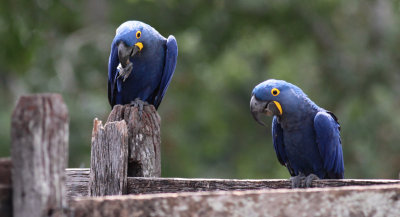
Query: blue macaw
[306,137]
[141,64]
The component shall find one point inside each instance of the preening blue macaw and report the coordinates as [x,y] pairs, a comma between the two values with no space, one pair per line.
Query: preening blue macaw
[141,64]
[306,137]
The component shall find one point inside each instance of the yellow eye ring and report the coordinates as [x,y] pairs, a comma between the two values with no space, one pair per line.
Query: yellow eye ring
[138,34]
[275,92]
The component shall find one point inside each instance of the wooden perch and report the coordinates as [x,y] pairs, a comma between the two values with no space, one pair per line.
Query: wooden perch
[39,150]
[5,200]
[143,139]
[381,200]
[77,182]
[5,187]
[78,179]
[109,159]
[5,171]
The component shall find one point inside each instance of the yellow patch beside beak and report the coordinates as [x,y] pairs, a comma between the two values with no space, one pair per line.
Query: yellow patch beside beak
[278,106]
[139,45]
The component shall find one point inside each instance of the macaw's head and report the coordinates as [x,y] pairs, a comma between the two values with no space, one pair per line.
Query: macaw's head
[275,97]
[133,38]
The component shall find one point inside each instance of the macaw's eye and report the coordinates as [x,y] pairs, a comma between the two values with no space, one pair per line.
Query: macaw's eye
[138,34]
[275,92]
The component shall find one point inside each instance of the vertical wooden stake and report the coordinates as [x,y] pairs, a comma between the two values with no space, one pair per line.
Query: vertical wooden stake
[144,139]
[109,159]
[39,150]
[5,187]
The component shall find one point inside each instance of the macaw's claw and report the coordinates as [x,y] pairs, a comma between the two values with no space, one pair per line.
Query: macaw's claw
[140,104]
[298,181]
[125,72]
[302,181]
[309,179]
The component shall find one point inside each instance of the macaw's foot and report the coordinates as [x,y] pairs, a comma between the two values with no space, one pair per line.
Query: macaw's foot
[298,181]
[309,179]
[302,181]
[124,72]
[140,104]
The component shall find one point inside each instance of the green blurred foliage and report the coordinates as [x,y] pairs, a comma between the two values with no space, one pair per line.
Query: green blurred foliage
[343,53]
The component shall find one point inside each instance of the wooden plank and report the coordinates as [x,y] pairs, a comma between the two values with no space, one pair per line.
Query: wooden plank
[109,159]
[171,185]
[39,150]
[5,171]
[5,200]
[381,200]
[5,187]
[77,184]
[144,139]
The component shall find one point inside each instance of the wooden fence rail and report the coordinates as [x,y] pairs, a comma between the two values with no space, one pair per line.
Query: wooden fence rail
[77,184]
[381,200]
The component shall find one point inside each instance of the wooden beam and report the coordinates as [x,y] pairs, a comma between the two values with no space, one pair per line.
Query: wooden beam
[6,200]
[144,139]
[39,150]
[5,187]
[109,158]
[5,171]
[77,184]
[139,185]
[381,200]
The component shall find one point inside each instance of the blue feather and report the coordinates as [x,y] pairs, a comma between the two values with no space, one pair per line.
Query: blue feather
[169,68]
[277,138]
[329,143]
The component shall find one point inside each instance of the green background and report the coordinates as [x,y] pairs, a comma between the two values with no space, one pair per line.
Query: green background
[344,54]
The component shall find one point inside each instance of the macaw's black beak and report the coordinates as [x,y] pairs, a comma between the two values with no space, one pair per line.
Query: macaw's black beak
[257,108]
[125,52]
[269,108]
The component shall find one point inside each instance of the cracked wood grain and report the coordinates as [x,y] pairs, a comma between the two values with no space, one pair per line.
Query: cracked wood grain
[109,158]
[144,139]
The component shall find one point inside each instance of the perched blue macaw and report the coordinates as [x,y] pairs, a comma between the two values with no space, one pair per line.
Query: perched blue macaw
[141,64]
[306,137]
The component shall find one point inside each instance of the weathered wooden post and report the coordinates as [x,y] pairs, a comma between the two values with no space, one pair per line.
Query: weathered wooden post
[109,159]
[39,150]
[5,189]
[143,139]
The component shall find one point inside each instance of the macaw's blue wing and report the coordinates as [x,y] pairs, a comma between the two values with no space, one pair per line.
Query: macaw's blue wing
[328,139]
[169,68]
[112,75]
[277,137]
